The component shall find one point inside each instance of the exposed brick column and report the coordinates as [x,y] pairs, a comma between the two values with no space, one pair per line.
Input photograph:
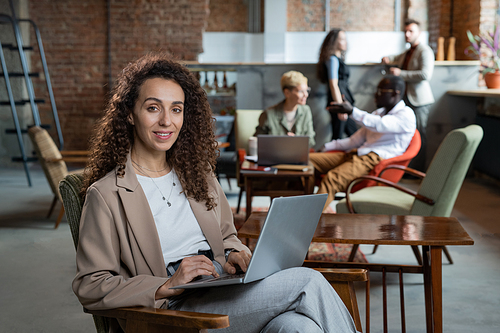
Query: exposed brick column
[74,33]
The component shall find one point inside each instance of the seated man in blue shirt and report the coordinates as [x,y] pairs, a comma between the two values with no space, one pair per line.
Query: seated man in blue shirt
[384,133]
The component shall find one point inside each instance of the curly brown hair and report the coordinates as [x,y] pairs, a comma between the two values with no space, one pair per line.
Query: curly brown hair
[325,52]
[194,153]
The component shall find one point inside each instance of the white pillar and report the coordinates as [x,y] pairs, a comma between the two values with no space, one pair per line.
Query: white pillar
[275,19]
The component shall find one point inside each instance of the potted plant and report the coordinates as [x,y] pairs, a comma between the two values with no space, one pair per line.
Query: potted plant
[488,55]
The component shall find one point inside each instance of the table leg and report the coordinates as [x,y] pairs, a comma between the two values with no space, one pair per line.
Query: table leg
[306,186]
[249,194]
[427,288]
[437,287]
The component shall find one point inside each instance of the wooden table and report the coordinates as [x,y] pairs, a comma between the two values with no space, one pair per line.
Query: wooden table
[430,232]
[252,177]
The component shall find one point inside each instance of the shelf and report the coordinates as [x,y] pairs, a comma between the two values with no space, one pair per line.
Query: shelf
[475,93]
[222,94]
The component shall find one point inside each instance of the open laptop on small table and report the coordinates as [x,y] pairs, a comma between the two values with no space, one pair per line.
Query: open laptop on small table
[281,149]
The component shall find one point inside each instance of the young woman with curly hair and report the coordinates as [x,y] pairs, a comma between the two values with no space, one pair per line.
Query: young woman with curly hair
[155,216]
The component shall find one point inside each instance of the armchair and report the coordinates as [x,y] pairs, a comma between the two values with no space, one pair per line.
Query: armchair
[393,175]
[245,122]
[437,192]
[141,319]
[53,163]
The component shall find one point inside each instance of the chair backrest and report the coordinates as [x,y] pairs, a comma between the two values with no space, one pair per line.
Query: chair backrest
[392,174]
[46,150]
[69,188]
[447,171]
[245,122]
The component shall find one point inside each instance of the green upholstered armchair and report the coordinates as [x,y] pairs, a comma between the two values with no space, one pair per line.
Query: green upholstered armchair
[437,192]
[139,319]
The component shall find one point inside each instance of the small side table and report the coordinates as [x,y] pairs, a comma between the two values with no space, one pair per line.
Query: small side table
[252,177]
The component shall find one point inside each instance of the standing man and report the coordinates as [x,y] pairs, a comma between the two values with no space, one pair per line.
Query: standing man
[415,66]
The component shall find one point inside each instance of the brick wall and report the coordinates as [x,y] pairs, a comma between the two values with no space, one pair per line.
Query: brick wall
[76,58]
[306,15]
[365,15]
[466,17]
[74,33]
[228,15]
[352,15]
[417,10]
[470,15]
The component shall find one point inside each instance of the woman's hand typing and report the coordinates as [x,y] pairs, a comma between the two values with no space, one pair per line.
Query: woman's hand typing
[241,259]
[190,268]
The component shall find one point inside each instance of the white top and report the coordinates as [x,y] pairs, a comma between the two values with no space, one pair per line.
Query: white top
[290,118]
[388,136]
[179,231]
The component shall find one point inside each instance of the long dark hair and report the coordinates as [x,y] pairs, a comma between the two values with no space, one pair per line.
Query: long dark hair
[325,52]
[193,154]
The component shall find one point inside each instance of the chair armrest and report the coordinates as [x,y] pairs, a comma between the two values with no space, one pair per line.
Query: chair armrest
[75,152]
[135,315]
[411,171]
[80,159]
[385,182]
[343,274]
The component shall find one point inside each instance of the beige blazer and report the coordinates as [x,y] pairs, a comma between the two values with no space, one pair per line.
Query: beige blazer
[119,257]
[418,75]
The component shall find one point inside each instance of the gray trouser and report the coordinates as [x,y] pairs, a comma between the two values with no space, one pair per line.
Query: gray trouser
[293,300]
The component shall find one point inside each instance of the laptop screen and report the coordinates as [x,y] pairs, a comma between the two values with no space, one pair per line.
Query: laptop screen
[282,149]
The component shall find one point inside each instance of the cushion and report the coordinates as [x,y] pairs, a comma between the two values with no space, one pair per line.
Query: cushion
[378,200]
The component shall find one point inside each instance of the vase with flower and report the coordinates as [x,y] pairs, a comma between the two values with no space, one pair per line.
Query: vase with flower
[486,46]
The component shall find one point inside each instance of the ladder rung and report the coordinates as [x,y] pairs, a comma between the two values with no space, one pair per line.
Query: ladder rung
[21,74]
[14,131]
[20,159]
[24,130]
[14,47]
[22,102]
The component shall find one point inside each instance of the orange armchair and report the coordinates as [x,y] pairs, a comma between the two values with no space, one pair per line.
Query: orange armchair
[393,175]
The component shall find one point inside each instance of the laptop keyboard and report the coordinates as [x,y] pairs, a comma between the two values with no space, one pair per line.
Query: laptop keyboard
[229,276]
[220,278]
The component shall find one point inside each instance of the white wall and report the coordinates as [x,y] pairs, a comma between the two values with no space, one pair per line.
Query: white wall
[298,47]
[223,47]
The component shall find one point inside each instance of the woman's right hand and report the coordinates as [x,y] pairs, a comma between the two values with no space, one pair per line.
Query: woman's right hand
[190,268]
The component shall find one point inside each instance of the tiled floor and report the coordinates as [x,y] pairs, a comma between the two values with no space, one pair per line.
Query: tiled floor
[37,265]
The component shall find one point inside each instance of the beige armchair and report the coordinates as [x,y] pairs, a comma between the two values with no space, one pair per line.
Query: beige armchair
[53,163]
[245,122]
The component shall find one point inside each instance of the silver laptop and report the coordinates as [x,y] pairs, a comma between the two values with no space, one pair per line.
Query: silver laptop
[282,149]
[283,242]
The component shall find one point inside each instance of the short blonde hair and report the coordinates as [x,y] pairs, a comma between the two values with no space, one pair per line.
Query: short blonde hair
[292,79]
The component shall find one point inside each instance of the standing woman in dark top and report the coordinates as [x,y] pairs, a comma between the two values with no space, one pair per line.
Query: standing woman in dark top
[332,70]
